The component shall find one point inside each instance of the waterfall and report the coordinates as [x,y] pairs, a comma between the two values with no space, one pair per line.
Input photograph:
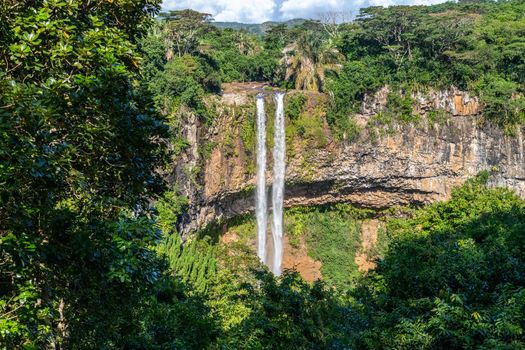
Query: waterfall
[279,153]
[261,212]
[261,201]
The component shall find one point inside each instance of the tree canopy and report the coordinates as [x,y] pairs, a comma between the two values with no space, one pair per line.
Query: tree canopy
[78,147]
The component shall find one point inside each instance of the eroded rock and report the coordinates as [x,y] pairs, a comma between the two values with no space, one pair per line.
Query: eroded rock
[405,164]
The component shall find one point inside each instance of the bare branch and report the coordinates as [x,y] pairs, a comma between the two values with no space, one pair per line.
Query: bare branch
[332,20]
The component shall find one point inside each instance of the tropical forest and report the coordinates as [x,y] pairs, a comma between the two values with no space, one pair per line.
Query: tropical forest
[271,174]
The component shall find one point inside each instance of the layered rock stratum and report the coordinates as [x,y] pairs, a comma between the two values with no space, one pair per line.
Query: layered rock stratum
[384,166]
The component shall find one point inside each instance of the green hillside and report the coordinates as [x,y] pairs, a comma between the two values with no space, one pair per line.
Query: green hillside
[258,29]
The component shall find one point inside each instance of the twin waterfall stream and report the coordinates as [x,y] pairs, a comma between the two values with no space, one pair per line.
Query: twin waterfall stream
[270,254]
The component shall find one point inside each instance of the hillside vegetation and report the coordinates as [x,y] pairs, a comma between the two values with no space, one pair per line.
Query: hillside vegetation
[254,28]
[451,276]
[477,46]
[93,95]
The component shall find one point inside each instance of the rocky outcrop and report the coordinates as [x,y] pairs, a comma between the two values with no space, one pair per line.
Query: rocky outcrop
[453,101]
[416,163]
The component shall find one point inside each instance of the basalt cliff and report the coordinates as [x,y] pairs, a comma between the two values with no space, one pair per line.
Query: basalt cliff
[384,165]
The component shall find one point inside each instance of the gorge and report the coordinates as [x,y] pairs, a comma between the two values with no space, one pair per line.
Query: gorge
[418,163]
[384,166]
[327,183]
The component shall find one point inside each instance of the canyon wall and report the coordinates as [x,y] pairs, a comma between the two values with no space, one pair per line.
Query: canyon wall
[385,165]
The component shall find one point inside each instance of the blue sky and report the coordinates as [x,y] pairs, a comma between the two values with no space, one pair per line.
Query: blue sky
[257,11]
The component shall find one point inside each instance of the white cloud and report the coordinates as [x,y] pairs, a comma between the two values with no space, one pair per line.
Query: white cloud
[249,11]
[312,8]
[258,11]
[427,2]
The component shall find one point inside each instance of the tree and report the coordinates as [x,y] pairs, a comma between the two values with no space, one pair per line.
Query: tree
[277,37]
[442,33]
[502,104]
[393,29]
[308,59]
[78,149]
[245,43]
[183,29]
[452,276]
[331,22]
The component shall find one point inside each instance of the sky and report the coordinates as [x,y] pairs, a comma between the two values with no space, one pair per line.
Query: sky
[258,11]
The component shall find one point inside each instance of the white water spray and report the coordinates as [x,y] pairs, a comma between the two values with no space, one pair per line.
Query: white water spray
[261,200]
[279,167]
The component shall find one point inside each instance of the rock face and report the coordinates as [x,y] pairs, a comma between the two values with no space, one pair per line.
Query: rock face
[415,163]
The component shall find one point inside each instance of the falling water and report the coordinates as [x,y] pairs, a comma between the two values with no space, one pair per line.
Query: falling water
[261,201]
[278,184]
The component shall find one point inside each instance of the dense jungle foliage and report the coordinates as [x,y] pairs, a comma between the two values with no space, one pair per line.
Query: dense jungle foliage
[477,46]
[92,98]
[451,276]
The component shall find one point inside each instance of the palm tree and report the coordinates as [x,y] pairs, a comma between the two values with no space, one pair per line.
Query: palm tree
[245,43]
[308,59]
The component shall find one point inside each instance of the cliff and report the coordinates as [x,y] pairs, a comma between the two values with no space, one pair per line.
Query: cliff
[387,164]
